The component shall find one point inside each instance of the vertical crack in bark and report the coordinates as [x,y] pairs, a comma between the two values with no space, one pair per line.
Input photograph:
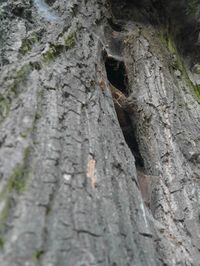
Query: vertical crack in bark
[118,81]
[61,217]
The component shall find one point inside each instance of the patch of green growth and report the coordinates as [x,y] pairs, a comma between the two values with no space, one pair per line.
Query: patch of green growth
[25,47]
[50,54]
[22,72]
[1,242]
[178,64]
[16,183]
[197,90]
[37,255]
[3,193]
[28,43]
[13,90]
[197,69]
[176,60]
[4,107]
[17,180]
[5,212]
[69,40]
[4,216]
[20,77]
[53,51]
[24,134]
[26,154]
[34,38]
[168,40]
[191,7]
[163,38]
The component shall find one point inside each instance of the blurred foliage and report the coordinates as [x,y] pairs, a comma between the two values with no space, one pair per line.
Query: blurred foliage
[191,7]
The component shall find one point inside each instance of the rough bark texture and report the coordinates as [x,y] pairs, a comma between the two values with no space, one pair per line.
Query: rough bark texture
[99,133]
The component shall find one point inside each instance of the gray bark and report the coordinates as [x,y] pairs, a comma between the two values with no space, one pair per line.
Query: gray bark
[72,189]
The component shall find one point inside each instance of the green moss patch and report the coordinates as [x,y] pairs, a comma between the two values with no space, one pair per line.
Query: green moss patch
[197,69]
[55,50]
[4,215]
[28,43]
[13,90]
[16,184]
[197,90]
[37,255]
[52,52]
[17,181]
[4,106]
[69,40]
[20,77]
[1,242]
[177,63]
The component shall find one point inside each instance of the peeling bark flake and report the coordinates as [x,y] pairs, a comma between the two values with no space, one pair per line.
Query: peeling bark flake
[91,172]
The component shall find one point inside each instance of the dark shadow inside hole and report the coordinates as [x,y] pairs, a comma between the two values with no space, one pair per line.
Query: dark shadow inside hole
[115,26]
[116,73]
[131,141]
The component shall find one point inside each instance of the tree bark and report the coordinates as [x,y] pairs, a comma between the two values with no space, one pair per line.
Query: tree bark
[99,133]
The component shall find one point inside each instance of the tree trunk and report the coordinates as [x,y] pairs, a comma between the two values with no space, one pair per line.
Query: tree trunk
[99,133]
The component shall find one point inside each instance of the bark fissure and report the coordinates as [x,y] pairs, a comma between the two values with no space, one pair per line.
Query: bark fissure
[105,95]
[118,79]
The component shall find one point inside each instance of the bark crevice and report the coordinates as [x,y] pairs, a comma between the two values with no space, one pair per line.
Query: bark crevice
[118,79]
[86,116]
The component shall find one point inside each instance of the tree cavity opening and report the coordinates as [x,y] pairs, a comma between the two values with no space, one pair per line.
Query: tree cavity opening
[118,81]
[116,74]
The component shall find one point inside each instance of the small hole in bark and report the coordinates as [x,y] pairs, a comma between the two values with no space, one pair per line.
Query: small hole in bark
[116,73]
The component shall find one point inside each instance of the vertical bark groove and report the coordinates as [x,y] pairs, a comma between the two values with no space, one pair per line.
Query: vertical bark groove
[98,97]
